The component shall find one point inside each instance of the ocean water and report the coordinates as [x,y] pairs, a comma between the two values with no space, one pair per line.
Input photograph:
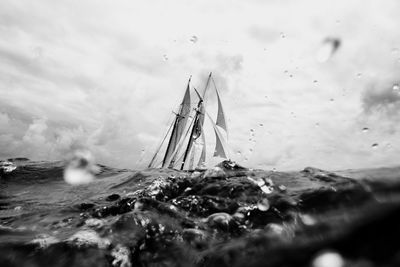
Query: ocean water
[224,216]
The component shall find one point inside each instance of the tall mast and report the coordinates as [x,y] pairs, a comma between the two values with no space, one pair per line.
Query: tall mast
[175,135]
[198,122]
[195,127]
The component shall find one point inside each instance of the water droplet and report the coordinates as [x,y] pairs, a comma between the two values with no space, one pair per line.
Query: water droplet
[375,145]
[251,150]
[261,124]
[251,130]
[331,99]
[291,75]
[365,130]
[307,219]
[359,75]
[396,87]
[194,39]
[328,48]
[165,57]
[282,35]
[286,71]
[274,169]
[263,204]
[282,187]
[328,259]
[315,81]
[239,153]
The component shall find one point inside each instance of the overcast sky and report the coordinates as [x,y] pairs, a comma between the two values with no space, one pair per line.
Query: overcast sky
[106,76]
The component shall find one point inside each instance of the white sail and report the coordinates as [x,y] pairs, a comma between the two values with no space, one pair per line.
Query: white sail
[191,160]
[178,148]
[185,146]
[202,159]
[179,126]
[221,122]
[220,146]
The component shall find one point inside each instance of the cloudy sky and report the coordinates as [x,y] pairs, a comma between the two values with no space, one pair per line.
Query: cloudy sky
[106,75]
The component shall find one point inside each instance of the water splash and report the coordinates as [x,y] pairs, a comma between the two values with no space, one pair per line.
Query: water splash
[81,168]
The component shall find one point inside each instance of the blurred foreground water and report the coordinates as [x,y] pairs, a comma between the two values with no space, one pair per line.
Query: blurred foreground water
[224,216]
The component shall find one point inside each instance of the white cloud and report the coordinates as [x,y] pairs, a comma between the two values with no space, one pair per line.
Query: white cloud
[106,76]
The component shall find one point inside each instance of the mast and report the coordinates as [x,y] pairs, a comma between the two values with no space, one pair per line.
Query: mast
[198,122]
[178,147]
[196,125]
[178,126]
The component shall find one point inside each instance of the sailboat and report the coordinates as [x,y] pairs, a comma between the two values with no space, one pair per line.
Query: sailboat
[186,147]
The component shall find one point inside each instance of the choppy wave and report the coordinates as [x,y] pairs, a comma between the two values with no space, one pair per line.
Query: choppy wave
[225,216]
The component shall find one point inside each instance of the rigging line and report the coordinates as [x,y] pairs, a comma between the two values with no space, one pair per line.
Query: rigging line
[159,147]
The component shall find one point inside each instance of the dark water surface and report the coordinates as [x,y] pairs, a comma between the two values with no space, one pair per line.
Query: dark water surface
[225,216]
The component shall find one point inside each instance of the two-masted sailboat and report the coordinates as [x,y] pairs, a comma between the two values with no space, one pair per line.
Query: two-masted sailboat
[186,148]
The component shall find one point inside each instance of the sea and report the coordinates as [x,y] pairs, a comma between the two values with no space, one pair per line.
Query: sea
[81,214]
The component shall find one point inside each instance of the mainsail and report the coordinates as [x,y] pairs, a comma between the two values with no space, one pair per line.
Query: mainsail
[179,126]
[196,130]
